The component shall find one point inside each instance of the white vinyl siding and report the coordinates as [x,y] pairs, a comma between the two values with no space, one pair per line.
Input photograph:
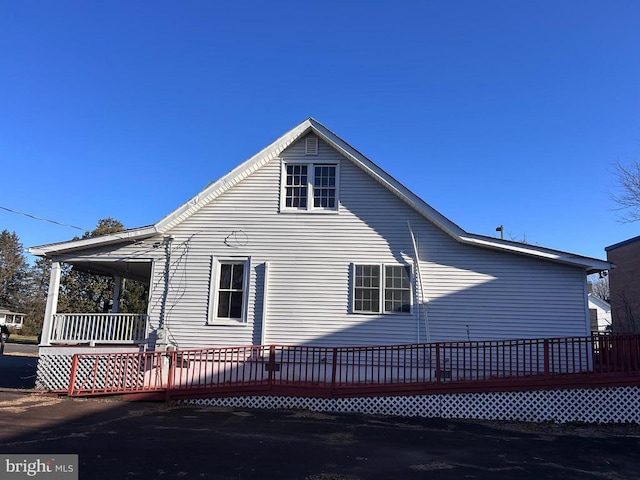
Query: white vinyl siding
[472,292]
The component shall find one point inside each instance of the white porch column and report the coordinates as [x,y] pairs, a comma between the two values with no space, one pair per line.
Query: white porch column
[117,289]
[52,303]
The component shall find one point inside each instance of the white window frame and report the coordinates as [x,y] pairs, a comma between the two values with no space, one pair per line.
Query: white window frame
[214,290]
[310,208]
[381,293]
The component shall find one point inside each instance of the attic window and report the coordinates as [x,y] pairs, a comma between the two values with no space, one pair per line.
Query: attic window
[311,187]
[311,146]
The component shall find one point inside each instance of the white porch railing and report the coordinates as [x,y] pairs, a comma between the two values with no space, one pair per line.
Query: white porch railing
[92,328]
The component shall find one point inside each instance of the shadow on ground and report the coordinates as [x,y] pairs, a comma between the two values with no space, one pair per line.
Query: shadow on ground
[115,439]
[17,371]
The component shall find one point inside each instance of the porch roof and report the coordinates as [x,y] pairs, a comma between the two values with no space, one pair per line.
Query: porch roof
[125,236]
[139,271]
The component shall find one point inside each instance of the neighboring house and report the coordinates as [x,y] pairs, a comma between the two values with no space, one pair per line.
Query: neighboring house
[11,319]
[599,314]
[624,285]
[309,242]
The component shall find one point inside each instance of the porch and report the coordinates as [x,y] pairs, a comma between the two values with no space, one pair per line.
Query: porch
[111,327]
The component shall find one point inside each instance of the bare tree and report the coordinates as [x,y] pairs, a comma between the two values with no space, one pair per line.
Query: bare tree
[600,287]
[626,318]
[627,194]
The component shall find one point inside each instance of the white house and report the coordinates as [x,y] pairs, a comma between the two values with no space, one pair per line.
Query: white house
[310,242]
[11,319]
[600,314]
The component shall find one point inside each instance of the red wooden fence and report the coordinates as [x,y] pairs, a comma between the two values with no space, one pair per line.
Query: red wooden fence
[365,370]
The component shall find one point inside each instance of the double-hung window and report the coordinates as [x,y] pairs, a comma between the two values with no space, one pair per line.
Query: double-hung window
[229,282]
[382,289]
[310,187]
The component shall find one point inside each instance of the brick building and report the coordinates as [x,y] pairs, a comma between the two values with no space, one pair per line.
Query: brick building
[624,284]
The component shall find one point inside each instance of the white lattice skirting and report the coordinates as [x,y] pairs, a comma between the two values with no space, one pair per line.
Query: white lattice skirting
[591,405]
[53,372]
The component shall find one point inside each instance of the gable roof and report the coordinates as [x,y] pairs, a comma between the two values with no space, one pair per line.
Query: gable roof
[272,151]
[604,305]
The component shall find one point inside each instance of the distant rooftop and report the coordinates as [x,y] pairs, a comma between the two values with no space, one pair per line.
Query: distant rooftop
[622,244]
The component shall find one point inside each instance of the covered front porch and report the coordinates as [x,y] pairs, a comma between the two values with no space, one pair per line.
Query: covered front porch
[111,327]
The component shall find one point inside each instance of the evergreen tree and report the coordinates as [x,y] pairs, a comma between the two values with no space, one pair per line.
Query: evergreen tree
[36,300]
[13,272]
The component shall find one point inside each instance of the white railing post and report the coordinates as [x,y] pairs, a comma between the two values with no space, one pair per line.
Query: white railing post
[52,304]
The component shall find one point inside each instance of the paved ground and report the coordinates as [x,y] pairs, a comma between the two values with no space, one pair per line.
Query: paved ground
[17,369]
[21,349]
[118,440]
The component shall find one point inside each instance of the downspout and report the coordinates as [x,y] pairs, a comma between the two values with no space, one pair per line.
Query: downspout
[423,298]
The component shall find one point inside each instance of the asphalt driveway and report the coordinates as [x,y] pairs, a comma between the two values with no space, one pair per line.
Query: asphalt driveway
[120,440]
[17,370]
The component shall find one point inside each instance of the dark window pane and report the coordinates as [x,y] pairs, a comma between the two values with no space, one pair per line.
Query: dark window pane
[236,305]
[375,305]
[238,274]
[225,276]
[223,304]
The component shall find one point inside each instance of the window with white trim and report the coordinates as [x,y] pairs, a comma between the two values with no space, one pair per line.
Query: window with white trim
[310,186]
[382,289]
[229,282]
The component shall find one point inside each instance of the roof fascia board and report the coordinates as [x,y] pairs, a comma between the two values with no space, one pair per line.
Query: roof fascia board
[236,175]
[599,302]
[387,180]
[591,264]
[63,247]
[622,243]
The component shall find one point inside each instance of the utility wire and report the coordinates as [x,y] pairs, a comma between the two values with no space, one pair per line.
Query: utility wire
[43,219]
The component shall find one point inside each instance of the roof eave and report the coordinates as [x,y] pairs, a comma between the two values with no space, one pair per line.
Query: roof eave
[239,173]
[65,247]
[591,265]
[387,180]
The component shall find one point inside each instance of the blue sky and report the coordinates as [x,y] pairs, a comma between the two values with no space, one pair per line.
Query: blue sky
[494,112]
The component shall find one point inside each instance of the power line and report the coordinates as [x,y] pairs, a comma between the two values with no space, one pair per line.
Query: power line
[34,217]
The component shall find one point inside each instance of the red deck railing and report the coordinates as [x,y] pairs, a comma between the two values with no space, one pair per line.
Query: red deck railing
[365,370]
